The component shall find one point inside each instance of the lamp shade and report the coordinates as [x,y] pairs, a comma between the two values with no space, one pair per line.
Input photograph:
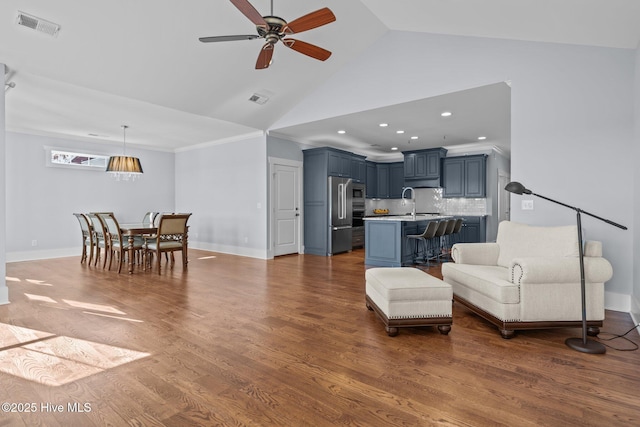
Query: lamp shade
[124,164]
[516,188]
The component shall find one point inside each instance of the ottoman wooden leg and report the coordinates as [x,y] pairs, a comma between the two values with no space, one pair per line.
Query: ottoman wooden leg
[444,329]
[392,332]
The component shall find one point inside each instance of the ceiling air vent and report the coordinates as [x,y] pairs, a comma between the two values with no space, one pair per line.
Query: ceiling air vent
[38,24]
[259,99]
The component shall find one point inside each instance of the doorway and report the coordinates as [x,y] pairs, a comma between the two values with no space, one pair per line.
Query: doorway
[504,197]
[286,201]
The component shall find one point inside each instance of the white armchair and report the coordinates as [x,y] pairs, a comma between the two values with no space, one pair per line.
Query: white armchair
[530,278]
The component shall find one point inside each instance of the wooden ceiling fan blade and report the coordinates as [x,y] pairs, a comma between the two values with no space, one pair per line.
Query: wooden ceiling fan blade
[264,58]
[228,38]
[309,21]
[307,49]
[250,12]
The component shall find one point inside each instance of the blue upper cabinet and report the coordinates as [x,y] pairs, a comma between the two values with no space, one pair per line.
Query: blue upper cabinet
[396,180]
[422,167]
[382,180]
[389,181]
[358,169]
[339,163]
[372,181]
[464,176]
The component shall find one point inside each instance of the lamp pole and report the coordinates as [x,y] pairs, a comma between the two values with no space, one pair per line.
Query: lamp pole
[580,344]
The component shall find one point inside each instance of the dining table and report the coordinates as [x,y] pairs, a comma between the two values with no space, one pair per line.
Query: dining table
[130,231]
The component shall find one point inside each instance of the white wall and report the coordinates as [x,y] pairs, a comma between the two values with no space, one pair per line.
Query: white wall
[4,291]
[225,187]
[571,110]
[41,199]
[635,300]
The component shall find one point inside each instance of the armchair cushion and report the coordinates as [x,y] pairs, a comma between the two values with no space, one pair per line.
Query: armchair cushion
[476,253]
[559,270]
[522,240]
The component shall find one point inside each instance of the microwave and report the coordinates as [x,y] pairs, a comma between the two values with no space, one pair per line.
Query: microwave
[358,195]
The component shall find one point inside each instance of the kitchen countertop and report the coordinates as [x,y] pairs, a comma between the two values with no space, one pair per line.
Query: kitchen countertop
[410,218]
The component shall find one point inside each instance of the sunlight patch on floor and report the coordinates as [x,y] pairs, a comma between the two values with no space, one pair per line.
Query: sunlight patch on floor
[95,307]
[207,257]
[128,319]
[40,298]
[57,360]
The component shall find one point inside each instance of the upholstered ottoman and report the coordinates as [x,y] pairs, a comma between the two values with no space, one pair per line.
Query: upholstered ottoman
[406,297]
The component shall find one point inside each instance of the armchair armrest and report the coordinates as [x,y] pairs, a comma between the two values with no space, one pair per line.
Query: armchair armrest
[559,270]
[475,253]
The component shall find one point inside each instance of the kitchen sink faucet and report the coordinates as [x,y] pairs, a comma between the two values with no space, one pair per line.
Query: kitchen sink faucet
[413,200]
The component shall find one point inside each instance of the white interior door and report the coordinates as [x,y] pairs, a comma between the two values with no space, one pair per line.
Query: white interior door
[285,196]
[504,197]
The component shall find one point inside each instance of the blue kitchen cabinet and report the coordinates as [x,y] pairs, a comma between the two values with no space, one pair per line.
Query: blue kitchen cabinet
[474,229]
[358,169]
[339,163]
[389,180]
[422,168]
[464,176]
[372,181]
[396,180]
[382,180]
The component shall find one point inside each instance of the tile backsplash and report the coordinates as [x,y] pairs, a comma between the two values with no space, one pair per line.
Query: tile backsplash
[430,200]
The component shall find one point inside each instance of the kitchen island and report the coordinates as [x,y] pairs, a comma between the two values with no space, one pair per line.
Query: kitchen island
[386,242]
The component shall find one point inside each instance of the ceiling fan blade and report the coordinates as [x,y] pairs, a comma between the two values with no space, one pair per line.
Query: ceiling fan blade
[309,21]
[228,38]
[264,58]
[250,12]
[307,49]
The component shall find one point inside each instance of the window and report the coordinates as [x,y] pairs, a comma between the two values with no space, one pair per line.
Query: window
[62,158]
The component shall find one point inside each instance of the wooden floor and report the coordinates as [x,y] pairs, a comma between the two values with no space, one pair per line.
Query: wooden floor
[237,341]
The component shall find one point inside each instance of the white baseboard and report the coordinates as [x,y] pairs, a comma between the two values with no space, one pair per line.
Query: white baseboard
[617,302]
[43,254]
[231,250]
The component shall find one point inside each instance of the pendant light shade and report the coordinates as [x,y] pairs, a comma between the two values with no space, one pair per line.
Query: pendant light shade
[124,167]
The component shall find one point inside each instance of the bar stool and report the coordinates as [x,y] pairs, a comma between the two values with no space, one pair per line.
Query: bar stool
[447,237]
[424,238]
[437,239]
[456,231]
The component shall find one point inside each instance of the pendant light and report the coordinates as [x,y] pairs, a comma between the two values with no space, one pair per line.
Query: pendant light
[124,167]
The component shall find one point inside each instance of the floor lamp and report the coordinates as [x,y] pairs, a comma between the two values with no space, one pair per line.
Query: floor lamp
[580,344]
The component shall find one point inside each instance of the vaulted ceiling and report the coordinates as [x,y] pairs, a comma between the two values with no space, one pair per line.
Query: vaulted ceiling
[140,62]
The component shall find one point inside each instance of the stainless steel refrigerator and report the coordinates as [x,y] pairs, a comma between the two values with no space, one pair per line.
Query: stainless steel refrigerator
[340,214]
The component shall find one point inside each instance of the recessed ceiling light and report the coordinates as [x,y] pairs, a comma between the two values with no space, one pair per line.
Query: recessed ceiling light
[482,138]
[446,114]
[342,131]
[399,131]
[383,125]
[414,137]
[394,148]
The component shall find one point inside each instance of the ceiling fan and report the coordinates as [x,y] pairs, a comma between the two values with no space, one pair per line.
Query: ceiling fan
[274,29]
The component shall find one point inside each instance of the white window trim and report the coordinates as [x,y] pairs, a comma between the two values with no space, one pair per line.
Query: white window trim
[74,166]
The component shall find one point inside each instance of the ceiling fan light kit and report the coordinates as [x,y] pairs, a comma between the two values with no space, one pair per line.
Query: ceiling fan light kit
[274,29]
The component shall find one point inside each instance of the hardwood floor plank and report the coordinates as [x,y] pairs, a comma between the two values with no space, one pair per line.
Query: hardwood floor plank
[236,341]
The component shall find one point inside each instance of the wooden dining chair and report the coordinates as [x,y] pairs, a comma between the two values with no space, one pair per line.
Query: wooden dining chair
[117,245]
[87,237]
[171,237]
[101,239]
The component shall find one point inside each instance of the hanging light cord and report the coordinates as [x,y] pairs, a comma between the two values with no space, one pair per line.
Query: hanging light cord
[124,140]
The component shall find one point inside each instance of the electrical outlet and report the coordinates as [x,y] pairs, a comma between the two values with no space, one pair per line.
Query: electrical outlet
[34,243]
[527,205]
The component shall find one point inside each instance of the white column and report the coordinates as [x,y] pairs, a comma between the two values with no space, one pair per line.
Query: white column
[4,291]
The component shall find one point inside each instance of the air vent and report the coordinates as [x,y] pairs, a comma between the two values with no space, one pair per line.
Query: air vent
[259,99]
[38,24]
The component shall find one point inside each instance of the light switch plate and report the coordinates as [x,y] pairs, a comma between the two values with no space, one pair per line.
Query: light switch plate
[527,205]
